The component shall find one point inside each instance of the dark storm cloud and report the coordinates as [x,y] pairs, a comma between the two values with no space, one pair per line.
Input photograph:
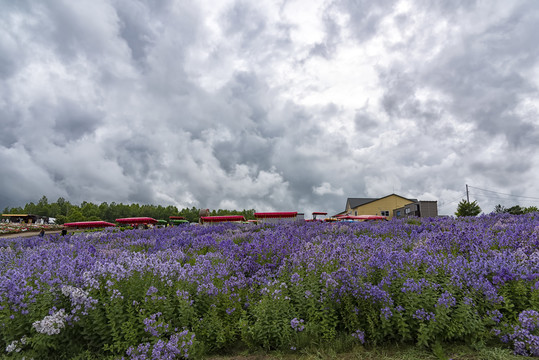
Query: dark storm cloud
[135,28]
[137,157]
[8,63]
[72,122]
[365,122]
[245,148]
[482,76]
[485,76]
[480,81]
[9,124]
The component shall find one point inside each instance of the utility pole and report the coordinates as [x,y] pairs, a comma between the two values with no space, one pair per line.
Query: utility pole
[467,194]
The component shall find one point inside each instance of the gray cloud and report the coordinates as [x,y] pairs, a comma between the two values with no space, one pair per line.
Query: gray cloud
[232,105]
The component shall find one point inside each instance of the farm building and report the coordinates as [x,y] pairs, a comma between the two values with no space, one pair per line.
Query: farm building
[25,218]
[419,208]
[386,206]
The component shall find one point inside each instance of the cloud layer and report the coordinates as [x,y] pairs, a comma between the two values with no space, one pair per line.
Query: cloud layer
[287,105]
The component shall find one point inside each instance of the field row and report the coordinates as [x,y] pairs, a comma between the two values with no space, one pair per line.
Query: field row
[194,291]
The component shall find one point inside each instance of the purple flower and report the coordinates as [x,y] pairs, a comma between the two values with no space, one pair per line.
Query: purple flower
[151,290]
[297,324]
[446,300]
[421,314]
[360,335]
[386,313]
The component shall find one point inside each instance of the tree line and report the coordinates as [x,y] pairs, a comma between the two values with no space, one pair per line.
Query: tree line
[64,211]
[466,208]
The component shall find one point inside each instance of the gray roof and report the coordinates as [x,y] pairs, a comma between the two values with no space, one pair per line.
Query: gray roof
[355,202]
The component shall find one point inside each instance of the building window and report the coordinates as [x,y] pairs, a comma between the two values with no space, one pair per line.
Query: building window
[398,213]
[355,213]
[385,213]
[407,210]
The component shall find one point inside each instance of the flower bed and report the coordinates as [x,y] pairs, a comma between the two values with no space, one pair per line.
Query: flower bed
[190,291]
[17,228]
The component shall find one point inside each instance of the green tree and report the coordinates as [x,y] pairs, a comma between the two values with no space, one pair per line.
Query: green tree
[42,207]
[466,208]
[500,209]
[89,210]
[60,219]
[75,215]
[63,206]
[530,209]
[515,210]
[30,208]
[54,210]
[16,210]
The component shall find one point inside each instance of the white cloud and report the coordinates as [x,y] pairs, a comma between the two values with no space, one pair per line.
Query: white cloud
[326,188]
[289,105]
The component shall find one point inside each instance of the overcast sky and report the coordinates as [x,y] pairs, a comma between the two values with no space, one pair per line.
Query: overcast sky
[279,105]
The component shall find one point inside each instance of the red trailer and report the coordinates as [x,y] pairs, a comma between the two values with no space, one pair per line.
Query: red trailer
[137,222]
[88,224]
[225,218]
[272,217]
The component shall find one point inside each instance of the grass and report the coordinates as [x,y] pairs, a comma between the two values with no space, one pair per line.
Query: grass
[387,352]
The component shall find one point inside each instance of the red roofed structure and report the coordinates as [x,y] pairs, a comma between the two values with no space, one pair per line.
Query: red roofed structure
[88,224]
[139,222]
[273,215]
[276,216]
[218,219]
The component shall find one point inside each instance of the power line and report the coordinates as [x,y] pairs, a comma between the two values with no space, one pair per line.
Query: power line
[496,192]
[452,201]
[498,198]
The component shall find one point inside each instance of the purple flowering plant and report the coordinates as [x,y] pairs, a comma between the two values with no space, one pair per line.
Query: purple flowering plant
[189,291]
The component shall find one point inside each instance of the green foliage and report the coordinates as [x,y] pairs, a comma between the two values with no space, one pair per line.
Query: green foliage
[412,221]
[75,215]
[269,326]
[61,219]
[466,208]
[63,211]
[515,210]
[263,317]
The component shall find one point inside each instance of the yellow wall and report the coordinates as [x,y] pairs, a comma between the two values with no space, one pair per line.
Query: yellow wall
[388,203]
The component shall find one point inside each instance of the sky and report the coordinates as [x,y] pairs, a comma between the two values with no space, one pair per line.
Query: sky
[272,105]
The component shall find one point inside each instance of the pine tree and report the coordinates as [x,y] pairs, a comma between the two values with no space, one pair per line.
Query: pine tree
[466,208]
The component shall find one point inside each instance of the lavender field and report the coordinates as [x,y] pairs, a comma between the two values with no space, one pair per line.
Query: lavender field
[193,291]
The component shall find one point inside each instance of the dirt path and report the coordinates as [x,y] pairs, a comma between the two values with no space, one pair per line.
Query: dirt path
[28,233]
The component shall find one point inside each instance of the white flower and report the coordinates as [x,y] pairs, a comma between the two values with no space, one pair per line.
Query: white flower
[12,347]
[51,324]
[78,296]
